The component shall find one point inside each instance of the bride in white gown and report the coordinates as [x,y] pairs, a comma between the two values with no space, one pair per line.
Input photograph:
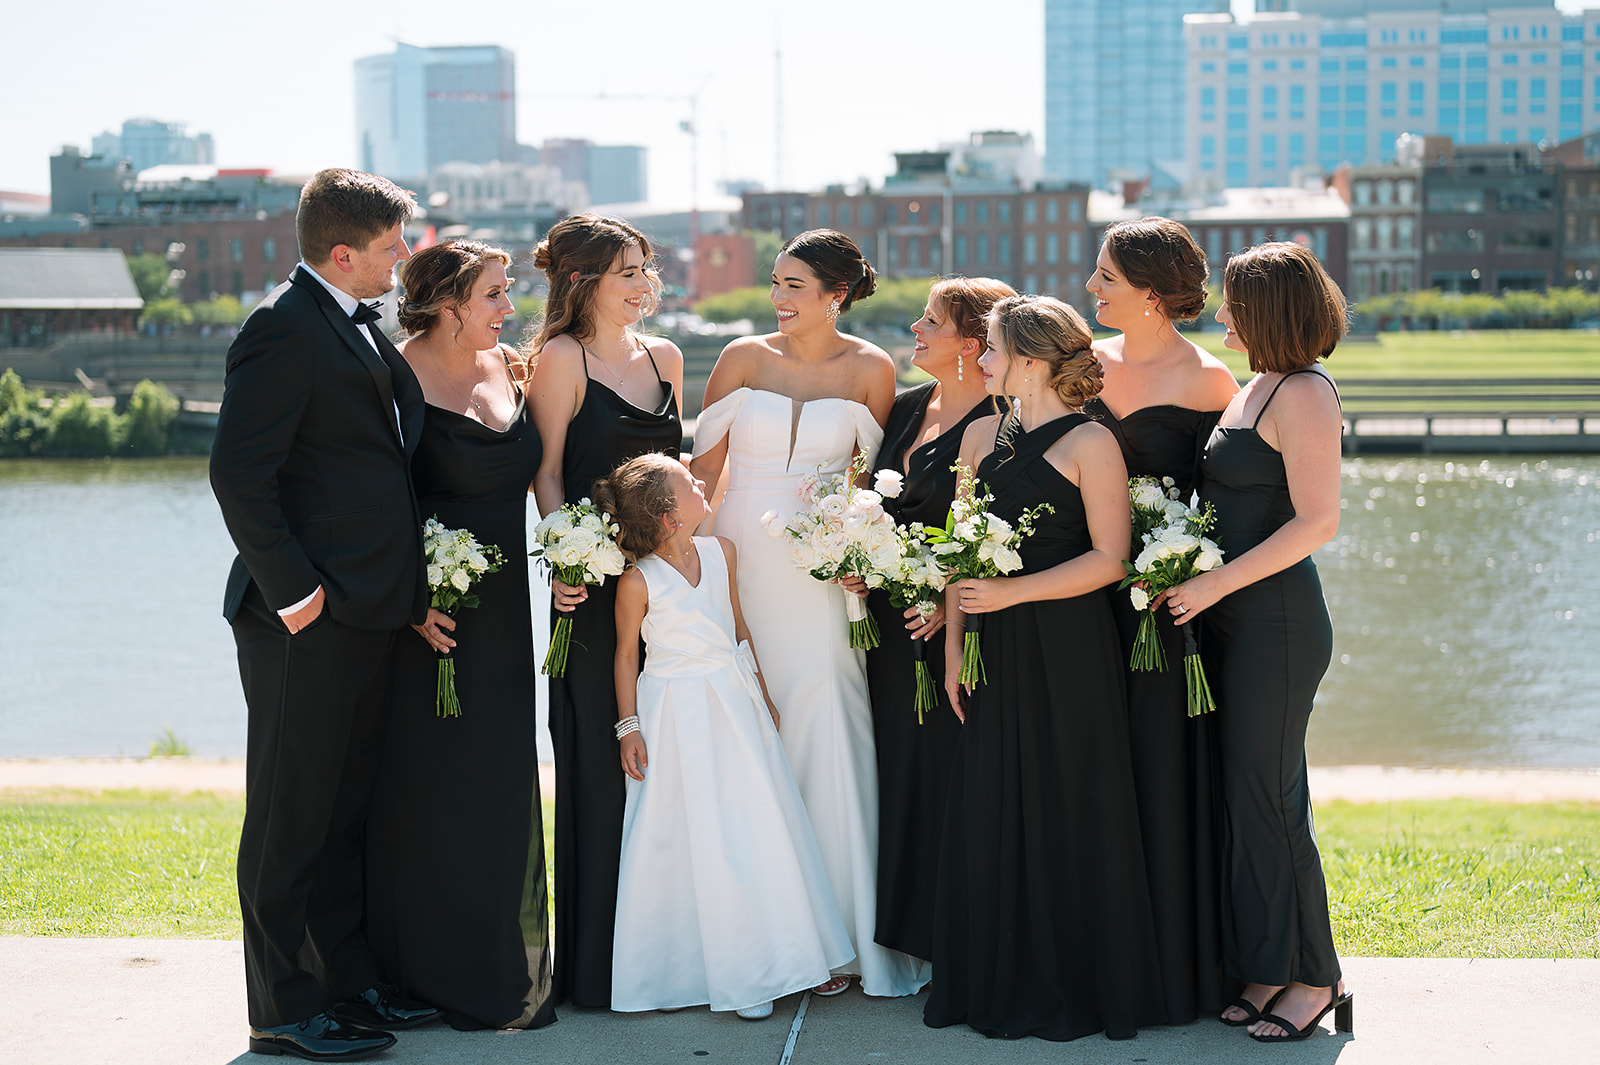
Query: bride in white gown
[778,407]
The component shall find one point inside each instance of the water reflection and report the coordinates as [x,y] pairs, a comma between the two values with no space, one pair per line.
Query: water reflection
[1461,595]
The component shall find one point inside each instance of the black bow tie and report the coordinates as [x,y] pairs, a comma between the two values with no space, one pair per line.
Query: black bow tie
[367,312]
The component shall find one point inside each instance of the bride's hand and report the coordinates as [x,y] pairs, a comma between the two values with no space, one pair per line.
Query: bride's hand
[854,585]
[634,758]
[565,596]
[434,630]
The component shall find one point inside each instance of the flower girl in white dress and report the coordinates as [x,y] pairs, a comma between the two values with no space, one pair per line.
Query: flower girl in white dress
[723,898]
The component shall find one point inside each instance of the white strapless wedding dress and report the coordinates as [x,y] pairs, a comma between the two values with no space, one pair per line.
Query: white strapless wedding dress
[802,640]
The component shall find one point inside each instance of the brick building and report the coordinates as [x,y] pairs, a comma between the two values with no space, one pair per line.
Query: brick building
[1579,162]
[1490,218]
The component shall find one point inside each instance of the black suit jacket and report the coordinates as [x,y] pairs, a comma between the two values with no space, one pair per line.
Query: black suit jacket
[312,475]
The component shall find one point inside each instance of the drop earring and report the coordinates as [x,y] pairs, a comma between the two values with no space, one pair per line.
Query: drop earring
[961,367]
[1147,310]
[833,311]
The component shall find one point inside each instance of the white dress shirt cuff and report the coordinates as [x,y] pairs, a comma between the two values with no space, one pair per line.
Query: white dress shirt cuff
[301,605]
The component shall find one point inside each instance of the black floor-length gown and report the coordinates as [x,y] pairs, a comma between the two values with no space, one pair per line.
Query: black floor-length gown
[457,903]
[1174,772]
[1267,646]
[606,431]
[1042,918]
[913,760]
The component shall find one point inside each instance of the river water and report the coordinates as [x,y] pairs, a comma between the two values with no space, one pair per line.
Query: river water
[1464,597]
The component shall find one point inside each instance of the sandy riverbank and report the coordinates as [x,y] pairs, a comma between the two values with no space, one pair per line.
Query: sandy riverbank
[1357,783]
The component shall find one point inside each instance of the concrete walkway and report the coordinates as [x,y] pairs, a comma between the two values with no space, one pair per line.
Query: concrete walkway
[177,1002]
[1351,783]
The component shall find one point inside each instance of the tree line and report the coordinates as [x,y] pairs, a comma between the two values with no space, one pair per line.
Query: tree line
[76,427]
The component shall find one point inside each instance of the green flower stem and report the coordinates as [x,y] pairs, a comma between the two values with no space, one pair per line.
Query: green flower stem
[1148,654]
[445,701]
[1194,675]
[972,672]
[555,660]
[865,633]
[927,695]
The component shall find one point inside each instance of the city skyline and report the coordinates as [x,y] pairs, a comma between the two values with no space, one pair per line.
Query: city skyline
[286,100]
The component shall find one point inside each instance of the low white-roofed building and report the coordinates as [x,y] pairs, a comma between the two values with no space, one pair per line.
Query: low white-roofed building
[48,293]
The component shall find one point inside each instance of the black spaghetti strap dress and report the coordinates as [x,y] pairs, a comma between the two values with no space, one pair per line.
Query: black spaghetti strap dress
[1174,772]
[457,904]
[1266,648]
[913,760]
[1042,919]
[606,431]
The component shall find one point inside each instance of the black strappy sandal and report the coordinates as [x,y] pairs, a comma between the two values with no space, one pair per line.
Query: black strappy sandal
[1253,1014]
[1343,1007]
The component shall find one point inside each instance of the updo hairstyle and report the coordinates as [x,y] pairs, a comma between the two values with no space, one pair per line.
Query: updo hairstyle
[589,245]
[1047,330]
[442,275]
[637,495]
[1160,255]
[967,301]
[1286,309]
[837,262]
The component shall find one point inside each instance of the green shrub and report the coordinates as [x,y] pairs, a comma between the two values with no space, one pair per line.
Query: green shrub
[148,423]
[166,311]
[22,421]
[80,429]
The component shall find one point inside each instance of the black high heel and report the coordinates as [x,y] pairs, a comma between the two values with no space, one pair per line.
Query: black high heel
[1342,1006]
[1249,1008]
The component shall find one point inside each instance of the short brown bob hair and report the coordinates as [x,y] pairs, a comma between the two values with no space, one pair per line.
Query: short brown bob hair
[347,207]
[1286,309]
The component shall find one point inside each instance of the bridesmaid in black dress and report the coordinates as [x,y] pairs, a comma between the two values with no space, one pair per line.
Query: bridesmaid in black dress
[1162,397]
[921,442]
[1272,469]
[1042,920]
[602,394]
[457,906]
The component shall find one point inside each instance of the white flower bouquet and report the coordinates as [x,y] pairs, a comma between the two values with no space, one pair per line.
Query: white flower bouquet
[975,543]
[455,560]
[1174,547]
[577,543]
[916,579]
[841,531]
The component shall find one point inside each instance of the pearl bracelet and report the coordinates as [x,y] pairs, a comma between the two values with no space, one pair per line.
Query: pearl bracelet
[627,725]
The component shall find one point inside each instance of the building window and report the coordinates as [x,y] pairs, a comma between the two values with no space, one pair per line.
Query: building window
[1004,211]
[890,214]
[269,250]
[1052,248]
[865,211]
[202,251]
[961,249]
[1074,210]
[1030,283]
[238,283]
[1030,211]
[236,253]
[203,282]
[983,211]
[1052,210]
[1030,249]
[913,252]
[1363,193]
[1052,283]
[1004,248]
[983,249]
[1074,247]
[268,282]
[961,212]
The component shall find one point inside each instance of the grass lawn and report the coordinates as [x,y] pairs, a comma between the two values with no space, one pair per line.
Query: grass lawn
[1468,353]
[1424,879]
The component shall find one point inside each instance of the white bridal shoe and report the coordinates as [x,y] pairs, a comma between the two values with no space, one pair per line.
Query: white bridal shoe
[758,1012]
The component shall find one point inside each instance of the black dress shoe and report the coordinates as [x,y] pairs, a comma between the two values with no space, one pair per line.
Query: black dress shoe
[322,1037]
[381,1006]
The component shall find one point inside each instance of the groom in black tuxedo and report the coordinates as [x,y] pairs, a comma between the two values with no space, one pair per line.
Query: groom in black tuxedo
[311,465]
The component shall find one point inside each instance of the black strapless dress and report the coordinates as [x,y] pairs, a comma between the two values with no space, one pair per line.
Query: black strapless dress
[457,904]
[606,431]
[913,760]
[1266,649]
[1042,918]
[1173,754]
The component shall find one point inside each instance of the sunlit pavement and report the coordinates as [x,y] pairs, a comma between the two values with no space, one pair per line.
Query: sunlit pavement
[174,1002]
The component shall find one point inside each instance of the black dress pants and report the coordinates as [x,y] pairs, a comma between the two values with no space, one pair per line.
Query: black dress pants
[316,710]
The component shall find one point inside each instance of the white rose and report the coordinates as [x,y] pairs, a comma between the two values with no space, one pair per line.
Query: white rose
[1179,542]
[1174,511]
[998,529]
[435,576]
[1149,557]
[1006,559]
[610,559]
[1138,597]
[1149,496]
[874,579]
[592,522]
[1210,556]
[965,532]
[986,550]
[460,579]
[1168,482]
[558,523]
[949,547]
[804,555]
[769,522]
[868,500]
[888,483]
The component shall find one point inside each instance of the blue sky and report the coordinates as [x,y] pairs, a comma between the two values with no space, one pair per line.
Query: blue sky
[859,80]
